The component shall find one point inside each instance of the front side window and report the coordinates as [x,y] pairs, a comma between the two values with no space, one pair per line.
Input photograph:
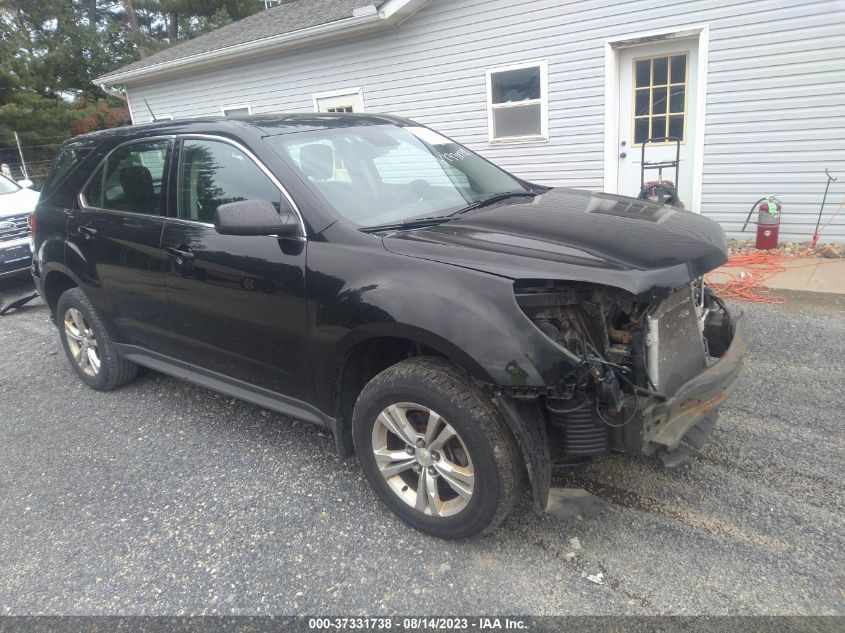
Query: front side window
[517,102]
[134,178]
[379,174]
[212,173]
[94,191]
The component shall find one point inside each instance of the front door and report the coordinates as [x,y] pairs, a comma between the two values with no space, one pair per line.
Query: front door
[238,304]
[657,93]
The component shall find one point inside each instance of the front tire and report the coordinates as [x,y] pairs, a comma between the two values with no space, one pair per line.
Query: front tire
[436,450]
[88,344]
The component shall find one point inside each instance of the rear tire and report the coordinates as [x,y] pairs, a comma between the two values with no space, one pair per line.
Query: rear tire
[436,450]
[88,344]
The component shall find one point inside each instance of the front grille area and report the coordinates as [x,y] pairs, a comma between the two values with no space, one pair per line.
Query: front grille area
[14,227]
[675,345]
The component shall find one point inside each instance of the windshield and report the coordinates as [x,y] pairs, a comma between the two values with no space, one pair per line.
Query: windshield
[7,186]
[381,174]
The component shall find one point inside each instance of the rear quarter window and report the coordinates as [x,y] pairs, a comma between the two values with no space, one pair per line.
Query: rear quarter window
[67,161]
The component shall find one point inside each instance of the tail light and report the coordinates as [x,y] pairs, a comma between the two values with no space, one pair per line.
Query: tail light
[32,222]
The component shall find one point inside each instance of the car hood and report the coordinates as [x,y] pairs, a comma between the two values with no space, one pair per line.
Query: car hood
[22,201]
[569,234]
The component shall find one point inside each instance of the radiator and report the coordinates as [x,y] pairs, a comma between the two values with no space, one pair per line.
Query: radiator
[674,343]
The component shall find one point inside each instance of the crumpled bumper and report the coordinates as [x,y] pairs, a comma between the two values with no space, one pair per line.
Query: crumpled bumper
[666,422]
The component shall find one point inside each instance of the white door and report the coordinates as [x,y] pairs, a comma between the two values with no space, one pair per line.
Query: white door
[657,97]
[350,101]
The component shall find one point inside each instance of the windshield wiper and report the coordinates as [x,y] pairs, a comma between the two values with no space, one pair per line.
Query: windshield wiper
[496,197]
[406,224]
[416,223]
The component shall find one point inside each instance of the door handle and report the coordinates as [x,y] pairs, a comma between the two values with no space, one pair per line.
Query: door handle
[182,253]
[86,231]
[622,155]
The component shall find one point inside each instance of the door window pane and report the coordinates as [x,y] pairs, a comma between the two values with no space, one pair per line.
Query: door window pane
[658,101]
[643,72]
[135,177]
[658,127]
[679,69]
[641,106]
[640,130]
[660,91]
[676,126]
[660,71]
[212,173]
[676,100]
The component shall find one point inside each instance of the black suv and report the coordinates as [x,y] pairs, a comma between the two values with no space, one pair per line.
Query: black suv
[457,328]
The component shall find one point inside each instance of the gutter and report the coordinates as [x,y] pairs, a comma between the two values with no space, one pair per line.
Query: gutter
[366,18]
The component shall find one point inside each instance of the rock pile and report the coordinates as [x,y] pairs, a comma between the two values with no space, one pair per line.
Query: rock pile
[790,249]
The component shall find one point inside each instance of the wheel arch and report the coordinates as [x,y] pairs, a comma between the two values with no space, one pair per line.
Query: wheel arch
[56,281]
[371,349]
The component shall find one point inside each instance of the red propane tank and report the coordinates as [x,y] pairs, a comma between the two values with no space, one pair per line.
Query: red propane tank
[768,224]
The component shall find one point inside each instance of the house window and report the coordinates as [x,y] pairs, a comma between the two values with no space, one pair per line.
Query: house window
[660,97]
[241,109]
[349,100]
[517,102]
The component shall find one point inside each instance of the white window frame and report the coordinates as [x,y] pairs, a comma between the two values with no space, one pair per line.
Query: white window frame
[236,106]
[333,94]
[543,101]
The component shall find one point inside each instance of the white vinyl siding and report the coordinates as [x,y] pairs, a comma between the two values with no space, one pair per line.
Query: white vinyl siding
[774,106]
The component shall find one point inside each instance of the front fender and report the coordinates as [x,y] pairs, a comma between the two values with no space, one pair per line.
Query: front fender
[469,316]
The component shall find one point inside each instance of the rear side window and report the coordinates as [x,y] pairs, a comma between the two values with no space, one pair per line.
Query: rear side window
[212,173]
[134,178]
[66,162]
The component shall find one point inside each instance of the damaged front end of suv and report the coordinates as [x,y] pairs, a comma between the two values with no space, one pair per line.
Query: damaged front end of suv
[647,377]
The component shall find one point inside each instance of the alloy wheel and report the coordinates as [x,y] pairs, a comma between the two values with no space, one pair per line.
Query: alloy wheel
[81,342]
[423,459]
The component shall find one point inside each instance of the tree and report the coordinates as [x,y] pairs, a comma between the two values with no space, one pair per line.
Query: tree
[51,51]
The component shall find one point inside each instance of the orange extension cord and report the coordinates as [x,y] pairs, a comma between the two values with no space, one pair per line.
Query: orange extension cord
[759,267]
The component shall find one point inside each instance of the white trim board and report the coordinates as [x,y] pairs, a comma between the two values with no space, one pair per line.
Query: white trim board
[612,48]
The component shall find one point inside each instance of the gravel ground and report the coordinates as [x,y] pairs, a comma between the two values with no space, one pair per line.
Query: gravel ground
[164,498]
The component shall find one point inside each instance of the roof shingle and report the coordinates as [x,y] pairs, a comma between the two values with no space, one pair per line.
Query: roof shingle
[285,18]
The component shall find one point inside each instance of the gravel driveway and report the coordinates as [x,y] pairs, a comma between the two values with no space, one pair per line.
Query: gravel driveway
[165,498]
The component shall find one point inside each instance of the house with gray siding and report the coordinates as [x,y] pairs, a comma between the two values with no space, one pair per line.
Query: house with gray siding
[559,92]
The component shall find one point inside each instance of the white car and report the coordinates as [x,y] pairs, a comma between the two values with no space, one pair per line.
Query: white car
[17,201]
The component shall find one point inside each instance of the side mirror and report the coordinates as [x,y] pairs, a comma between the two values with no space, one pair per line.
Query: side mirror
[254,217]
[25,183]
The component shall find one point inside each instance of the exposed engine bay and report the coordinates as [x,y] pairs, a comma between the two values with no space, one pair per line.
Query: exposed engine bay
[633,355]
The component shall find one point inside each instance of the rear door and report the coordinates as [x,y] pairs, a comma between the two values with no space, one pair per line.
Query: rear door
[237,303]
[114,240]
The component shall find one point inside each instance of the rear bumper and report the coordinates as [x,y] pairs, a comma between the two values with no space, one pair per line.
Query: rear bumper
[666,422]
